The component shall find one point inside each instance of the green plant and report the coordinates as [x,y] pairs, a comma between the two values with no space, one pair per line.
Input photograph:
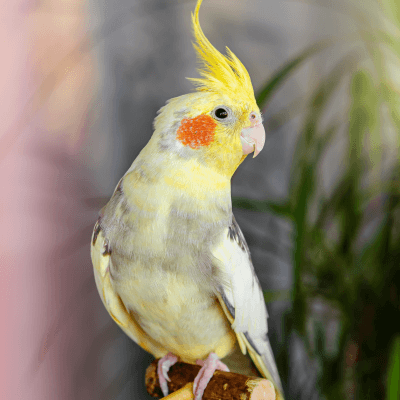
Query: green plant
[346,236]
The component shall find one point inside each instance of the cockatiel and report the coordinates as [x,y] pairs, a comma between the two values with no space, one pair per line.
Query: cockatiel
[171,264]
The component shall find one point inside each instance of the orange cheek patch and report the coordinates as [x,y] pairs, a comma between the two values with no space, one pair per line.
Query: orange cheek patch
[196,132]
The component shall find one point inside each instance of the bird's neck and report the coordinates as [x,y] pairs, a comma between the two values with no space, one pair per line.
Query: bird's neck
[186,190]
[197,180]
[222,162]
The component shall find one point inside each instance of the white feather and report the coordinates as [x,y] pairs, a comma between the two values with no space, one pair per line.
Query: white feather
[243,297]
[242,288]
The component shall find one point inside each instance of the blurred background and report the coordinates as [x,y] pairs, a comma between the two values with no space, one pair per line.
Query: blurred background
[81,83]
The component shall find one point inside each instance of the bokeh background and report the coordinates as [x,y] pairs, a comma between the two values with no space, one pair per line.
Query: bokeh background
[81,83]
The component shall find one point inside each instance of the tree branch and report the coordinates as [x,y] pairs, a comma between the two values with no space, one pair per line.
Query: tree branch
[222,386]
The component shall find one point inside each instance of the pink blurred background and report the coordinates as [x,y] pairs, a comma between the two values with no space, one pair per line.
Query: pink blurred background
[49,308]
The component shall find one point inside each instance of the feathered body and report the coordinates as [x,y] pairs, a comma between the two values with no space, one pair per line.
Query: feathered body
[171,264]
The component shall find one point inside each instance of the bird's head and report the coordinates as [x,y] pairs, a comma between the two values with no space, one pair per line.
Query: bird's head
[220,123]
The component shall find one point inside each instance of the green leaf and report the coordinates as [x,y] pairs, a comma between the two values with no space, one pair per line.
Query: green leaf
[363,113]
[392,10]
[282,210]
[393,375]
[250,204]
[276,295]
[284,71]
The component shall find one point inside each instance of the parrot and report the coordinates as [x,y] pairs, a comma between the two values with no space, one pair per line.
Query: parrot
[171,264]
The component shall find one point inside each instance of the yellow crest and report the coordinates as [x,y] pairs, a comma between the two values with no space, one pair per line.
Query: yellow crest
[221,74]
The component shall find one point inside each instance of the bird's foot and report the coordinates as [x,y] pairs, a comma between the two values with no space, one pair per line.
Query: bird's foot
[208,367]
[164,364]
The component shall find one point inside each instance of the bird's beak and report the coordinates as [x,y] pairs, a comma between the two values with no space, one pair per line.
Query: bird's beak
[253,139]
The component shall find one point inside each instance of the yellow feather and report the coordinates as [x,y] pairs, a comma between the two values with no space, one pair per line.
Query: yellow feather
[221,74]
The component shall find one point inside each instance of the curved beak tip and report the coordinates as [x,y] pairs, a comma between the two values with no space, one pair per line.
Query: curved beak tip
[255,153]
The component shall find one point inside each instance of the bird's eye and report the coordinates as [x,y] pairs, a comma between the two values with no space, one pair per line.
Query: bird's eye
[221,113]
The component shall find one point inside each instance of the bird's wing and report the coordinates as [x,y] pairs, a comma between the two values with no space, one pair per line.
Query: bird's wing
[243,302]
[101,259]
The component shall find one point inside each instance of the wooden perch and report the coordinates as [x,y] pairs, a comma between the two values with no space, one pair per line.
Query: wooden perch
[222,386]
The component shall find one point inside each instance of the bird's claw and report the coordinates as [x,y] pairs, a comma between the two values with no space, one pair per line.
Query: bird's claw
[209,366]
[163,366]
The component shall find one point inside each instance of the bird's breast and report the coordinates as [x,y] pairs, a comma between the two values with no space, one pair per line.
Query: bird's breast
[177,313]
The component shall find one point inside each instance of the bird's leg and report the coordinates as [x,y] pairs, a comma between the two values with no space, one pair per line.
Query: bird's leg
[164,364]
[208,367]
